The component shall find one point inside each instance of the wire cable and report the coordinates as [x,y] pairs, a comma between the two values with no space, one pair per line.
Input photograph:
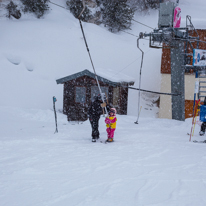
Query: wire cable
[129,33]
[143,90]
[130,63]
[142,24]
[57,5]
[123,31]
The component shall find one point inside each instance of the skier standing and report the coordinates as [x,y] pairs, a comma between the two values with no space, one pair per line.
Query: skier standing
[203,126]
[94,113]
[111,124]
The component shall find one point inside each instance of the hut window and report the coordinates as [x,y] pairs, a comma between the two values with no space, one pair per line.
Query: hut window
[95,91]
[80,96]
[115,96]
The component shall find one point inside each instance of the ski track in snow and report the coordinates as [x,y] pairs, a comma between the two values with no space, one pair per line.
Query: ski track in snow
[151,163]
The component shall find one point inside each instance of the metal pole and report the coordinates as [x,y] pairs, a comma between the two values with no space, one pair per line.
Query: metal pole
[90,54]
[140,74]
[55,115]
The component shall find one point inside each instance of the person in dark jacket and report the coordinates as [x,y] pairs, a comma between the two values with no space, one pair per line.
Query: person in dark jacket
[95,110]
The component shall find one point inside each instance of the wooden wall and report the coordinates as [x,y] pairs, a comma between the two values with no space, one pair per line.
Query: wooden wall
[166,61]
[78,111]
[188,108]
[166,55]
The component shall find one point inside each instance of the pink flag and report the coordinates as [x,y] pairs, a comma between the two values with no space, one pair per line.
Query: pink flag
[177,17]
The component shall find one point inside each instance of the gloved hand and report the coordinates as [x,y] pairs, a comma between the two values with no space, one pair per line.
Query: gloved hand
[107,121]
[103,105]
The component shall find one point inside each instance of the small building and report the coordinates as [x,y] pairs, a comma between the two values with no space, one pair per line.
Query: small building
[81,87]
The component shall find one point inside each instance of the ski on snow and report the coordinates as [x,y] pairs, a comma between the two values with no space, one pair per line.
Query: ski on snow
[195,141]
[99,140]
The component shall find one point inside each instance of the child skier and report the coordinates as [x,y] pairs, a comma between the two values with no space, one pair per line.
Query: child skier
[111,124]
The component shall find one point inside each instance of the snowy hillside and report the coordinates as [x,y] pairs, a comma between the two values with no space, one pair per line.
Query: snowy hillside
[36,52]
[151,163]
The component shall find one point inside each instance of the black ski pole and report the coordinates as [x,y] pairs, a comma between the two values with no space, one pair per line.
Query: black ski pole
[55,114]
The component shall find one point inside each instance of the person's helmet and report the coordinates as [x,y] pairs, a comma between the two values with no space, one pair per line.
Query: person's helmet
[113,110]
[98,98]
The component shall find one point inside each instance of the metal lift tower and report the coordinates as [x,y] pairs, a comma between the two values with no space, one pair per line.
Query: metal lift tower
[170,34]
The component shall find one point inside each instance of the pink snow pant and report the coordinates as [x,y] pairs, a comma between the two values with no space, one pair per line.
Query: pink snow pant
[110,132]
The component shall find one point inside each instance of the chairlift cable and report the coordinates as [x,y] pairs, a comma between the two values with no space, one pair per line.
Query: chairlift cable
[129,33]
[142,24]
[143,90]
[80,15]
[130,64]
[57,5]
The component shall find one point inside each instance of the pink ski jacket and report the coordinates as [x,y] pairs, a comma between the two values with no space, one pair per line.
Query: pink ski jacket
[111,122]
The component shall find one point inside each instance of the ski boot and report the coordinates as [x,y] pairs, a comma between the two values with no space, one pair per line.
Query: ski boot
[201,133]
[110,140]
[93,139]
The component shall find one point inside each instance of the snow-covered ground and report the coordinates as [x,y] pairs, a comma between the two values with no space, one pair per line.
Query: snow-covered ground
[152,163]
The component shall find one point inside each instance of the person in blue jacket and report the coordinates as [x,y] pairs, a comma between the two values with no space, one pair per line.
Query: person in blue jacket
[203,126]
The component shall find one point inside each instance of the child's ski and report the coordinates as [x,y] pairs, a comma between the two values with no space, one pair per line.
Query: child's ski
[106,141]
[195,141]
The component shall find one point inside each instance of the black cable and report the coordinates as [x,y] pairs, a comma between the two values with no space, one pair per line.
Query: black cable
[58,5]
[142,24]
[123,31]
[126,32]
[143,90]
[130,64]
[129,33]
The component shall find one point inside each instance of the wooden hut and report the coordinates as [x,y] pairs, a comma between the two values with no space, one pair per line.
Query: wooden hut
[81,87]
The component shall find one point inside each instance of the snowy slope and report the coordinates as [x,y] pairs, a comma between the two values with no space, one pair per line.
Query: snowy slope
[36,52]
[151,163]
[143,167]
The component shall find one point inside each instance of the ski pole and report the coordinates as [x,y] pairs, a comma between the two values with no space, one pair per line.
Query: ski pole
[140,110]
[196,117]
[193,119]
[55,115]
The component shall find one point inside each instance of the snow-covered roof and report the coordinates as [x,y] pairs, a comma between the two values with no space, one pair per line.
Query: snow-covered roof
[92,75]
